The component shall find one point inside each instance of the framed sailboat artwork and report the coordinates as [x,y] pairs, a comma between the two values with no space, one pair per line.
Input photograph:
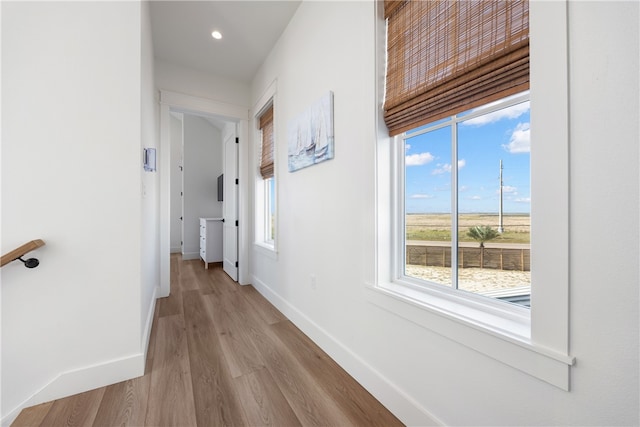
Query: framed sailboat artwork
[310,135]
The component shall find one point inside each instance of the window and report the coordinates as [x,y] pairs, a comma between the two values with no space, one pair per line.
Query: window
[267,175]
[445,57]
[468,227]
[532,340]
[270,210]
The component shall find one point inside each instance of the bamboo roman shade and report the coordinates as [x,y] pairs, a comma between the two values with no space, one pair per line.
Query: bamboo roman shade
[266,156]
[447,56]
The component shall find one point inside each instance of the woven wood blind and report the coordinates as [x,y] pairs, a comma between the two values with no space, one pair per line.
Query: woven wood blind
[447,56]
[266,157]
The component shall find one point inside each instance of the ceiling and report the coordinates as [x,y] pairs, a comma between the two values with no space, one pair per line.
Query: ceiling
[182,34]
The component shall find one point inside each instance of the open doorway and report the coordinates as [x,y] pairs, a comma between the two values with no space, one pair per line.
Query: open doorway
[231,124]
[196,163]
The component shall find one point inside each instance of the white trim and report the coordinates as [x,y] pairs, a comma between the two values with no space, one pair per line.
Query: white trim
[146,335]
[389,394]
[496,343]
[265,99]
[165,201]
[188,103]
[550,100]
[265,249]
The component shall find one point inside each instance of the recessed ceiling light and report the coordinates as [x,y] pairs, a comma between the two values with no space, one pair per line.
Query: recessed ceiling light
[216,35]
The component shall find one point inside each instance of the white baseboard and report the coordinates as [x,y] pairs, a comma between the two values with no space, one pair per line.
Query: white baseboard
[403,406]
[91,377]
[81,380]
[190,255]
[175,249]
[146,335]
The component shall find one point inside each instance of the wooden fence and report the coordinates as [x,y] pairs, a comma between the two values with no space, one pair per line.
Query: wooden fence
[496,258]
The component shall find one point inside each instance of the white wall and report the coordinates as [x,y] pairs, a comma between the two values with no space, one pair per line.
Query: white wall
[176,182]
[74,119]
[177,78]
[202,166]
[149,122]
[326,219]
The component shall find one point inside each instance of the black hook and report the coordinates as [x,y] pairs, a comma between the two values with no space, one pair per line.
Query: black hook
[30,263]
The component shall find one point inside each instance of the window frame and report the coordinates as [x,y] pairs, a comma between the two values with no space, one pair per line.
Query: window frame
[400,230]
[261,190]
[534,341]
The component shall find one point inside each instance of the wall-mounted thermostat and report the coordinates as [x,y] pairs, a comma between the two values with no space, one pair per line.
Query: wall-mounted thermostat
[150,159]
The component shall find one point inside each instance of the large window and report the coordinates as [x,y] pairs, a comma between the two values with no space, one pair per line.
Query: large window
[468,227]
[454,69]
[461,155]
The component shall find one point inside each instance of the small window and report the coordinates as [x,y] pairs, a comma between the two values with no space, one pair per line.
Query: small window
[267,190]
[270,210]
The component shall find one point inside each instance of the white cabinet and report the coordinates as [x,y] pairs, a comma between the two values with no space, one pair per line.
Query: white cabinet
[210,240]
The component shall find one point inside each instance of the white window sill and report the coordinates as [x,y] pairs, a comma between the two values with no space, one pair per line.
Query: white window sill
[266,249]
[504,338]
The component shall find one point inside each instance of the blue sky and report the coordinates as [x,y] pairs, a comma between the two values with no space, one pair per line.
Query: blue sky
[482,142]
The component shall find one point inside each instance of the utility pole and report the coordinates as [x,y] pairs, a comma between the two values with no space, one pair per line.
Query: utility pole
[500,224]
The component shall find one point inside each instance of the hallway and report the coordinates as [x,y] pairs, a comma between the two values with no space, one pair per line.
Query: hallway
[220,354]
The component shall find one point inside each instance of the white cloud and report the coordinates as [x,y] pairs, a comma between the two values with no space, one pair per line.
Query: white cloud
[507,189]
[523,200]
[463,188]
[418,159]
[520,141]
[475,198]
[421,196]
[446,167]
[407,147]
[512,112]
[440,169]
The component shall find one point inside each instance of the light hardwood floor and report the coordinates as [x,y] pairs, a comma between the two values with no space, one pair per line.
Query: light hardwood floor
[221,354]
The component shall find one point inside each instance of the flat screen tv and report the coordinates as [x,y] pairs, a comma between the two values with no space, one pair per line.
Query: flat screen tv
[220,187]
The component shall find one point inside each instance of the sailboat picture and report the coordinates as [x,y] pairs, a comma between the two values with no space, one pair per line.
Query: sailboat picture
[310,135]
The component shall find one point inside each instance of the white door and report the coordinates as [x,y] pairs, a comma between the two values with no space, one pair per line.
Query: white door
[230,206]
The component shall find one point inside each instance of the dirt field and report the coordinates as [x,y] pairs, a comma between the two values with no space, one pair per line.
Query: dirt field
[436,227]
[519,223]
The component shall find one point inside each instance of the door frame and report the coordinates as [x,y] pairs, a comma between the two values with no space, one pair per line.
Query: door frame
[190,104]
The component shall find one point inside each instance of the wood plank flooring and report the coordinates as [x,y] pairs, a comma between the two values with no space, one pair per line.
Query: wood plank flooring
[220,354]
